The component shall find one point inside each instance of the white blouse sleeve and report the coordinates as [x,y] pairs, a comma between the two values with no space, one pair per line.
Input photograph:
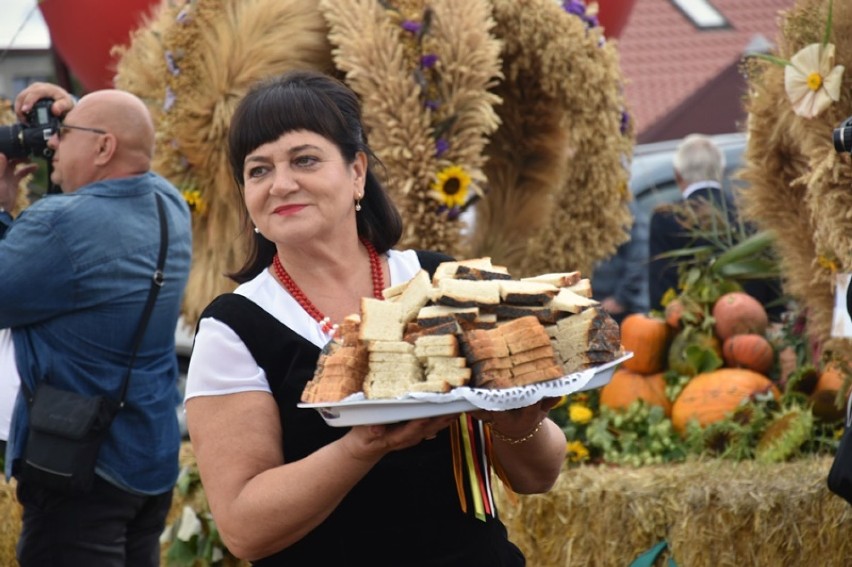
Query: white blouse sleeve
[221,363]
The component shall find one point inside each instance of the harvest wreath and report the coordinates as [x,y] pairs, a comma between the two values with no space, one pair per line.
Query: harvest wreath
[517,106]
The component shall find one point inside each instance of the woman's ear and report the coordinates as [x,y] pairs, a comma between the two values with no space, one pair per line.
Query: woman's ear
[359,167]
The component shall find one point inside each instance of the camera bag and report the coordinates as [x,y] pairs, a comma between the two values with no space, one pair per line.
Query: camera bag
[67,429]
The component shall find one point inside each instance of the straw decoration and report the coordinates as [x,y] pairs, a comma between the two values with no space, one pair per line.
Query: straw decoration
[798,185]
[191,62]
[422,71]
[558,164]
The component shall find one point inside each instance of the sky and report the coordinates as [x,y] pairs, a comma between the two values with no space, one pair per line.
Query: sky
[13,14]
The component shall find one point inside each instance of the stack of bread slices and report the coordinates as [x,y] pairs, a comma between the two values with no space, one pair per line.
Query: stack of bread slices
[471,324]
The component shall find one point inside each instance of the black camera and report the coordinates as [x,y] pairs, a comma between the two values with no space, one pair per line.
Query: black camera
[843,137]
[30,138]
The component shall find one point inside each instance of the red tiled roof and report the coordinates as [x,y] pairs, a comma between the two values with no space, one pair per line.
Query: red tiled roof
[665,58]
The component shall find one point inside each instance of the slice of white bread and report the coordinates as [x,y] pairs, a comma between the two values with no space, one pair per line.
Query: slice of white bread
[454,376]
[390,346]
[469,273]
[562,279]
[571,302]
[380,320]
[437,314]
[582,287]
[468,293]
[526,293]
[448,269]
[415,296]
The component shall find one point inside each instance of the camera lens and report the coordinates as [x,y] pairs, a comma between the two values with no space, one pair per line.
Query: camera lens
[843,137]
[12,143]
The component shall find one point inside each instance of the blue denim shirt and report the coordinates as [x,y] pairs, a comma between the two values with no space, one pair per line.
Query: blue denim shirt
[75,270]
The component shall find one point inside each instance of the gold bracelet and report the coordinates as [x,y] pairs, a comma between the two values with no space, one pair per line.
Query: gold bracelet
[517,440]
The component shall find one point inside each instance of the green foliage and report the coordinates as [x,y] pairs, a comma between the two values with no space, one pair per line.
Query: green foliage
[639,435]
[193,539]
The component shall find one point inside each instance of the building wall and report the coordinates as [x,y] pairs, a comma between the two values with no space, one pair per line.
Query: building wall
[21,67]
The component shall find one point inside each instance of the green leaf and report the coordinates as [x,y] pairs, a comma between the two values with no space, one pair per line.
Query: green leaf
[183,481]
[770,58]
[748,248]
[181,553]
[702,359]
[827,33]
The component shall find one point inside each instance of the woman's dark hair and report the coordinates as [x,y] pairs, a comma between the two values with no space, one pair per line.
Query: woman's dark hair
[312,101]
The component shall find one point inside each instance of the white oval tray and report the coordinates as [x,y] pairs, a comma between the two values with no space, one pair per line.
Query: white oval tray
[357,410]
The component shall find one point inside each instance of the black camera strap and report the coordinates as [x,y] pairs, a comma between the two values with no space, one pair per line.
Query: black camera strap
[157,281]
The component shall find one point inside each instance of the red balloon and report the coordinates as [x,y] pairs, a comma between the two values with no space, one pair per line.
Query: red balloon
[84,31]
[613,15]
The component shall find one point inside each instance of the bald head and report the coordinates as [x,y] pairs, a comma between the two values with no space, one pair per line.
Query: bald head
[124,116]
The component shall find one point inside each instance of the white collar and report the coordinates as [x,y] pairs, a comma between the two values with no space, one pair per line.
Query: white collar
[693,187]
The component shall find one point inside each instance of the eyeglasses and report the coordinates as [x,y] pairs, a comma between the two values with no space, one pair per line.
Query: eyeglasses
[64,127]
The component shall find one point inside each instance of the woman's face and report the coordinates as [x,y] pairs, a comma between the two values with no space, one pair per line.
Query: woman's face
[300,187]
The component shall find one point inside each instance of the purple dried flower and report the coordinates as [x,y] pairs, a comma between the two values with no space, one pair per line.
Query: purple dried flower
[625,121]
[428,61]
[577,8]
[411,26]
[170,99]
[574,7]
[441,146]
[170,63]
[453,213]
[431,104]
[183,16]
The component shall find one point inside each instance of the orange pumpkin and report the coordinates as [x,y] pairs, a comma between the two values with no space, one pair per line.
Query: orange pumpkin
[647,338]
[738,313]
[824,397]
[625,387]
[748,351]
[674,313]
[709,397]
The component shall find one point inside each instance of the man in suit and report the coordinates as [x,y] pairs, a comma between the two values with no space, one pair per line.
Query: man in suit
[699,167]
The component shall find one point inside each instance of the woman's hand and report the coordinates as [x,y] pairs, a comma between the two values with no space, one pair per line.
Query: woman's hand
[517,423]
[529,447]
[372,442]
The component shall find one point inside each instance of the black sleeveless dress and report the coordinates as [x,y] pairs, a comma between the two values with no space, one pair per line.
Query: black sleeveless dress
[405,511]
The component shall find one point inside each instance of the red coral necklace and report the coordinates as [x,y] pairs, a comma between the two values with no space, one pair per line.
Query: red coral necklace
[325,322]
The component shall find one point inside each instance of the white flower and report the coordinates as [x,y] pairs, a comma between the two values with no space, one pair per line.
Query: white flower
[189,524]
[811,80]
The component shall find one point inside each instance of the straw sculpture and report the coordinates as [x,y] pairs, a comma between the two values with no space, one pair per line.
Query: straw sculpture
[557,166]
[513,107]
[712,513]
[798,185]
[191,62]
[423,72]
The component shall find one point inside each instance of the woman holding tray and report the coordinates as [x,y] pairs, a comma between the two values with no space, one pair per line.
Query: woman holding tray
[283,486]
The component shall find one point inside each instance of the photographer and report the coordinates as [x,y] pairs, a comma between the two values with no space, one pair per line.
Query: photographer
[76,273]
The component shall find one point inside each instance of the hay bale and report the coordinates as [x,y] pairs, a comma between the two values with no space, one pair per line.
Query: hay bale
[713,513]
[10,523]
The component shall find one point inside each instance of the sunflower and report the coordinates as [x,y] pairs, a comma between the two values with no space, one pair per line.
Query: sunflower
[451,186]
[577,452]
[194,199]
